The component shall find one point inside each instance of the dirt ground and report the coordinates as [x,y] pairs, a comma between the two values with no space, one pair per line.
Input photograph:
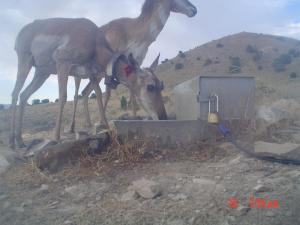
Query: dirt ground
[195,187]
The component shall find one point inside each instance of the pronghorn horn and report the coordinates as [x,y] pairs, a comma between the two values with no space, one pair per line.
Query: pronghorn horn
[155,63]
[110,69]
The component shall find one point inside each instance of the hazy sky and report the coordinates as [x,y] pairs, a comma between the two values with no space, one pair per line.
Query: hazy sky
[215,19]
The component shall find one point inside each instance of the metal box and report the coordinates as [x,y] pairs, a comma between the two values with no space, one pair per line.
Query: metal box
[236,97]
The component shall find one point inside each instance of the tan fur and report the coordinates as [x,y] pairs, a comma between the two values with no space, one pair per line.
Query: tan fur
[135,35]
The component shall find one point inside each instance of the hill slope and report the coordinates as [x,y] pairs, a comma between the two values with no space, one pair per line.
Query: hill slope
[274,60]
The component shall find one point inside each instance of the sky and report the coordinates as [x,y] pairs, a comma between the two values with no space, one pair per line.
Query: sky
[215,19]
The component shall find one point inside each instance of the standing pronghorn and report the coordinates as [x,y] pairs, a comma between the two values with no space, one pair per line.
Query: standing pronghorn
[75,47]
[135,35]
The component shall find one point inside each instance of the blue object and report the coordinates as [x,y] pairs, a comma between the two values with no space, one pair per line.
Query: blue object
[223,129]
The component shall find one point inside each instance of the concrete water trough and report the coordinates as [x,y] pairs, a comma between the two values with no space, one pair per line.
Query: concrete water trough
[236,100]
[236,108]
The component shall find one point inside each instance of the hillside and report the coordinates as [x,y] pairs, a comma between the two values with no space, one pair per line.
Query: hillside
[274,60]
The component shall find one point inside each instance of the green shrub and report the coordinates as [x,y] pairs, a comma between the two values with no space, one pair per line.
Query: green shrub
[207,62]
[251,49]
[45,101]
[260,67]
[257,55]
[36,102]
[219,45]
[165,61]
[280,63]
[123,103]
[181,54]
[293,75]
[93,96]
[179,66]
[56,100]
[235,66]
[294,53]
[198,58]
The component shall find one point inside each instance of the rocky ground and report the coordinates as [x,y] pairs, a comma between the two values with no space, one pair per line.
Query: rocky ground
[207,184]
[203,185]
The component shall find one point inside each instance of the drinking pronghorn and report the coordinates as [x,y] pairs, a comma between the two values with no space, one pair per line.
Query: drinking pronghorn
[76,47]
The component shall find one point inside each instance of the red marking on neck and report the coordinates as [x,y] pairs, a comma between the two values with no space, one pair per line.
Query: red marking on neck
[128,70]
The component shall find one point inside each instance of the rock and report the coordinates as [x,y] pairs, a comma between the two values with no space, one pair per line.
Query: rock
[270,214]
[80,135]
[33,150]
[4,164]
[284,151]
[44,187]
[296,137]
[243,210]
[177,222]
[261,188]
[3,196]
[33,143]
[278,110]
[26,203]
[128,196]
[178,197]
[146,188]
[6,204]
[204,182]
[98,127]
[77,191]
[18,209]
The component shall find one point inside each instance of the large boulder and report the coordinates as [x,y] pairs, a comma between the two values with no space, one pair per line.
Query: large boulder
[278,110]
[288,151]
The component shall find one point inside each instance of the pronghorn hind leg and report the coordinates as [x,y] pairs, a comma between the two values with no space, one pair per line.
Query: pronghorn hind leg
[25,64]
[62,76]
[85,96]
[77,85]
[38,80]
[107,97]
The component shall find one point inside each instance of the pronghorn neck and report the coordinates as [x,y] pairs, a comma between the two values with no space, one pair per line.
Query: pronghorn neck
[154,17]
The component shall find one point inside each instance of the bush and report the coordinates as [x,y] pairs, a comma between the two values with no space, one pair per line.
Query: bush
[179,66]
[165,61]
[45,101]
[123,103]
[250,49]
[207,62]
[1,107]
[260,67]
[235,66]
[198,58]
[181,54]
[219,45]
[253,50]
[293,75]
[294,53]
[280,63]
[93,96]
[36,102]
[56,100]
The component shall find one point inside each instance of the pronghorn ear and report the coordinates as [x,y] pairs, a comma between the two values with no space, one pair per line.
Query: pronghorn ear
[155,63]
[133,61]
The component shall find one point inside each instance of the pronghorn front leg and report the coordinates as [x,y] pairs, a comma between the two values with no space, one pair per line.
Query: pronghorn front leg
[98,91]
[77,85]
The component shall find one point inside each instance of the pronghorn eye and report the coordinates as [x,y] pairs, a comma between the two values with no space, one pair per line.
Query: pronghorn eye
[150,88]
